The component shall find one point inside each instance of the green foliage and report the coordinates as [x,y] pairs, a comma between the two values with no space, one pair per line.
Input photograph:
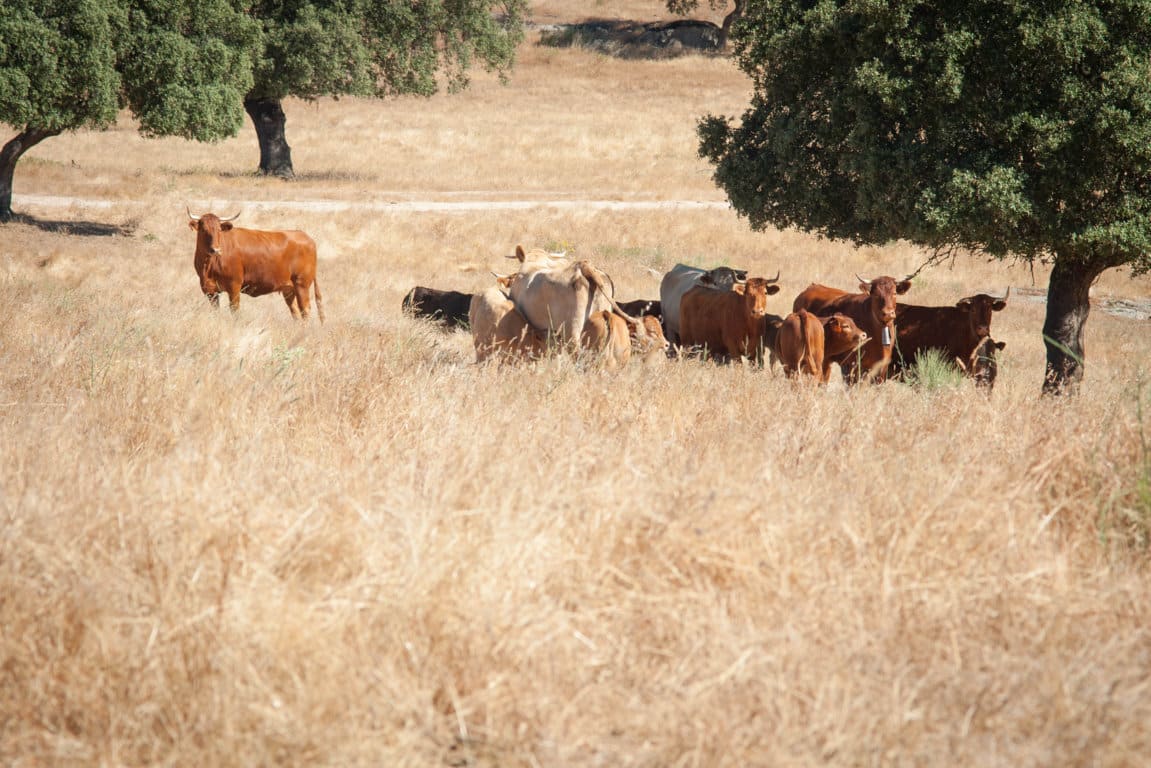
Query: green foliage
[57,63]
[187,65]
[933,370]
[367,47]
[1010,127]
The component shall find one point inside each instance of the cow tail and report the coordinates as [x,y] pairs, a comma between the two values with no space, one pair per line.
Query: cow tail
[592,276]
[320,299]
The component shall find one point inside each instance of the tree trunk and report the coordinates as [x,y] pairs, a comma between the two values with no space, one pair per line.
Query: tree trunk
[728,20]
[1067,308]
[9,154]
[275,154]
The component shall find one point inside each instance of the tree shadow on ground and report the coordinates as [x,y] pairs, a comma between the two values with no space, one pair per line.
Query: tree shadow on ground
[79,228]
[635,40]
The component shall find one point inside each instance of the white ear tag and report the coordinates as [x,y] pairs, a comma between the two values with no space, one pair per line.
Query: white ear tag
[887,336]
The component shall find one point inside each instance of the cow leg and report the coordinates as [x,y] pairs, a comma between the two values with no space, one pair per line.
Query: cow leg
[289,295]
[302,298]
[213,299]
[234,296]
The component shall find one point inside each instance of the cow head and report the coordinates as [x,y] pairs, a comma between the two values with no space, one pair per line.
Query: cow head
[723,277]
[978,309]
[208,228]
[841,334]
[982,365]
[882,291]
[505,281]
[755,292]
[538,258]
[647,335]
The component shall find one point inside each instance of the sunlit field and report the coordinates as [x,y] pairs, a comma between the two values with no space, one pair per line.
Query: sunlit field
[243,540]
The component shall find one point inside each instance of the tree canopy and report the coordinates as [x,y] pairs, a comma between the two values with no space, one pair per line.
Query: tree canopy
[191,68]
[316,48]
[1009,127]
[181,67]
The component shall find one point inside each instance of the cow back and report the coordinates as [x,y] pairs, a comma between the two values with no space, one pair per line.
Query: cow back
[269,261]
[450,308]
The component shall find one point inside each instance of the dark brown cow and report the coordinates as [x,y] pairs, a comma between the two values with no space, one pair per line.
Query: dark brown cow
[449,308]
[873,311]
[983,366]
[728,323]
[807,343]
[955,331]
[255,262]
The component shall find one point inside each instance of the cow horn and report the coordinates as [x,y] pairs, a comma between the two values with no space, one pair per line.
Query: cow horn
[234,217]
[774,279]
[190,216]
[1004,298]
[862,279]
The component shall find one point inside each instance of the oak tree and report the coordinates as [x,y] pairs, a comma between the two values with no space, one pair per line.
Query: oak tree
[180,66]
[1013,128]
[314,48]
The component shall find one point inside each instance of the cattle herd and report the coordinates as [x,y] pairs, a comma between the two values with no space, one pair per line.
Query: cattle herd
[552,303]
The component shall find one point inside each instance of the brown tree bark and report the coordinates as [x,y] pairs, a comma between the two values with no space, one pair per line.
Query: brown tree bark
[728,20]
[9,155]
[1068,305]
[275,154]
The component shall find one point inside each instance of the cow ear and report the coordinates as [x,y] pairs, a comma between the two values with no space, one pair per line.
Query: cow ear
[520,253]
[1000,344]
[998,305]
[903,286]
[738,288]
[705,279]
[865,287]
[964,304]
[193,225]
[226,226]
[772,289]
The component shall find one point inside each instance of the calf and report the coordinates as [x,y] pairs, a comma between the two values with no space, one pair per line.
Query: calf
[873,310]
[605,335]
[809,344]
[983,366]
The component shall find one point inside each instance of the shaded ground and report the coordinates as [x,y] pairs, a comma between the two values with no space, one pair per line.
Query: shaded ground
[633,39]
[1134,309]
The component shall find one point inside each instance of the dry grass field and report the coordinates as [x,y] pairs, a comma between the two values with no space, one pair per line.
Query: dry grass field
[246,541]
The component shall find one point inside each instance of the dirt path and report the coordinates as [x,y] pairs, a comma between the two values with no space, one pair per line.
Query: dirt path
[406,206]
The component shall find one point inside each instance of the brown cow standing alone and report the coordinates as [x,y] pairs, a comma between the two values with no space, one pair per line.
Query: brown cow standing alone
[255,262]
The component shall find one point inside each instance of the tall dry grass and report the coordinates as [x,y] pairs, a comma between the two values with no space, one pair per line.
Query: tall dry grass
[241,540]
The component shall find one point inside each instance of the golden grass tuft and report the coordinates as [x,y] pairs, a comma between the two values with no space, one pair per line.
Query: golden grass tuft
[242,540]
